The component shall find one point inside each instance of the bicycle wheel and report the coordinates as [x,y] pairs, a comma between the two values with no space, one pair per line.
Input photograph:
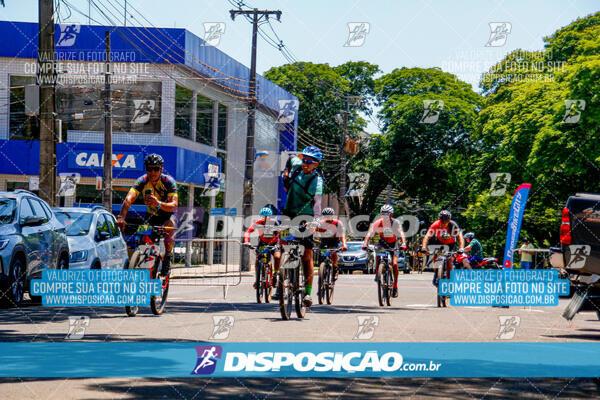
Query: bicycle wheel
[286,293]
[299,292]
[258,280]
[321,287]
[135,262]
[380,284]
[329,284]
[445,299]
[268,282]
[438,273]
[388,286]
[158,303]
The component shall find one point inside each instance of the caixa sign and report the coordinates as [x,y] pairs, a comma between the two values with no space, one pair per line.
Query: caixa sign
[95,159]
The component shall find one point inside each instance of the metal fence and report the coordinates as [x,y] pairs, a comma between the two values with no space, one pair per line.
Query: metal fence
[207,262]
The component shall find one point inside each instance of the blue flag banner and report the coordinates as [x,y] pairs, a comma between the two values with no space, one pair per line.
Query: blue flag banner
[293,359]
[517,209]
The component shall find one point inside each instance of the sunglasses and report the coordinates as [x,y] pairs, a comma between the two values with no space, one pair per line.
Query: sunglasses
[152,169]
[386,213]
[309,161]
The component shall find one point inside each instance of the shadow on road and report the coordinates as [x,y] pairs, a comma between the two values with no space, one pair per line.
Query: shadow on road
[359,388]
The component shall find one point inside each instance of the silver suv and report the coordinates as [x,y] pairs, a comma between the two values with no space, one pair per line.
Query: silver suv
[94,239]
[31,239]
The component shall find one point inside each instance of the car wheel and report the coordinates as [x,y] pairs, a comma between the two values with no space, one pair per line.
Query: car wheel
[96,265]
[63,262]
[16,286]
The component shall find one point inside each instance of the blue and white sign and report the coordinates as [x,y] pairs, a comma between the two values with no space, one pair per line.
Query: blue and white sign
[517,209]
[298,359]
[95,159]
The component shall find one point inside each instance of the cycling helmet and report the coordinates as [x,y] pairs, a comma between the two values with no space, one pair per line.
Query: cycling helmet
[272,207]
[328,211]
[153,159]
[314,152]
[445,215]
[469,235]
[386,209]
[266,212]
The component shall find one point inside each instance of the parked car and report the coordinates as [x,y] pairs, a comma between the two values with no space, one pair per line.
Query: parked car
[31,239]
[94,239]
[355,258]
[578,257]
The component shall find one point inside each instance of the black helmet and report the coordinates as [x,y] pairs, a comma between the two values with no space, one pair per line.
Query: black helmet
[445,215]
[153,159]
[328,211]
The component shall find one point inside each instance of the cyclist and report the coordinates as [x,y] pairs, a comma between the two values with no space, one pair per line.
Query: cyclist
[304,186]
[332,235]
[266,236]
[445,232]
[475,251]
[390,232]
[159,192]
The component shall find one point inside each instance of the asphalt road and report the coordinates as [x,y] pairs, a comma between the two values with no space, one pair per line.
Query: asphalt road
[192,309]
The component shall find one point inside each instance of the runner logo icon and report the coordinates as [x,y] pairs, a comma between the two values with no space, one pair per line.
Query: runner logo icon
[207,359]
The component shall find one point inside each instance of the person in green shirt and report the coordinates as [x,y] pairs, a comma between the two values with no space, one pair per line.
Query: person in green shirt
[526,256]
[304,186]
[474,249]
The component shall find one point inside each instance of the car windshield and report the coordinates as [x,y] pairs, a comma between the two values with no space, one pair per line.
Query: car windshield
[77,224]
[354,246]
[7,211]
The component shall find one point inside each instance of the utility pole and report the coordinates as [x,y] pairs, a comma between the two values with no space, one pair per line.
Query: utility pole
[46,79]
[247,199]
[343,190]
[107,184]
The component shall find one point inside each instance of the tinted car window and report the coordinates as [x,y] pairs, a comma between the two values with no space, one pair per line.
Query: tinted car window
[8,209]
[26,210]
[38,210]
[112,226]
[77,224]
[47,209]
[101,226]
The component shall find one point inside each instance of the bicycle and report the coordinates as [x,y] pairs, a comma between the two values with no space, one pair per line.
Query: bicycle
[326,276]
[264,272]
[291,280]
[441,272]
[148,255]
[385,277]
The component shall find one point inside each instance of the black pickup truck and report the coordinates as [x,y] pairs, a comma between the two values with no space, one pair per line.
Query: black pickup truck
[578,257]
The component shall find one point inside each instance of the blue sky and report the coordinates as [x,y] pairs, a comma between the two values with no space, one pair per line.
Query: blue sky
[447,34]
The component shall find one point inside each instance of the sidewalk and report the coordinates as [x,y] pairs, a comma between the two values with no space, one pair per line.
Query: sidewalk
[180,271]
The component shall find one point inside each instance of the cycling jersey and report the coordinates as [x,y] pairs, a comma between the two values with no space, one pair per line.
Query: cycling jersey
[165,188]
[443,235]
[387,229]
[334,228]
[302,191]
[265,230]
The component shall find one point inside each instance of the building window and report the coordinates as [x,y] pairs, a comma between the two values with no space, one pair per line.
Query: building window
[204,120]
[222,128]
[183,112]
[21,126]
[136,107]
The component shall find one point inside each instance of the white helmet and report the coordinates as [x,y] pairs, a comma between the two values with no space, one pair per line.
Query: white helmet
[386,209]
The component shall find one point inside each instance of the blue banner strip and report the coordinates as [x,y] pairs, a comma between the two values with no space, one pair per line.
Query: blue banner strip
[164,359]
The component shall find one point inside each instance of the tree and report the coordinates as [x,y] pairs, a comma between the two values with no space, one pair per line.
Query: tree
[525,131]
[322,90]
[421,157]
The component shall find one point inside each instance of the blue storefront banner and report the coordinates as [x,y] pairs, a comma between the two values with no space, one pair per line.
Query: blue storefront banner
[207,360]
[22,158]
[517,209]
